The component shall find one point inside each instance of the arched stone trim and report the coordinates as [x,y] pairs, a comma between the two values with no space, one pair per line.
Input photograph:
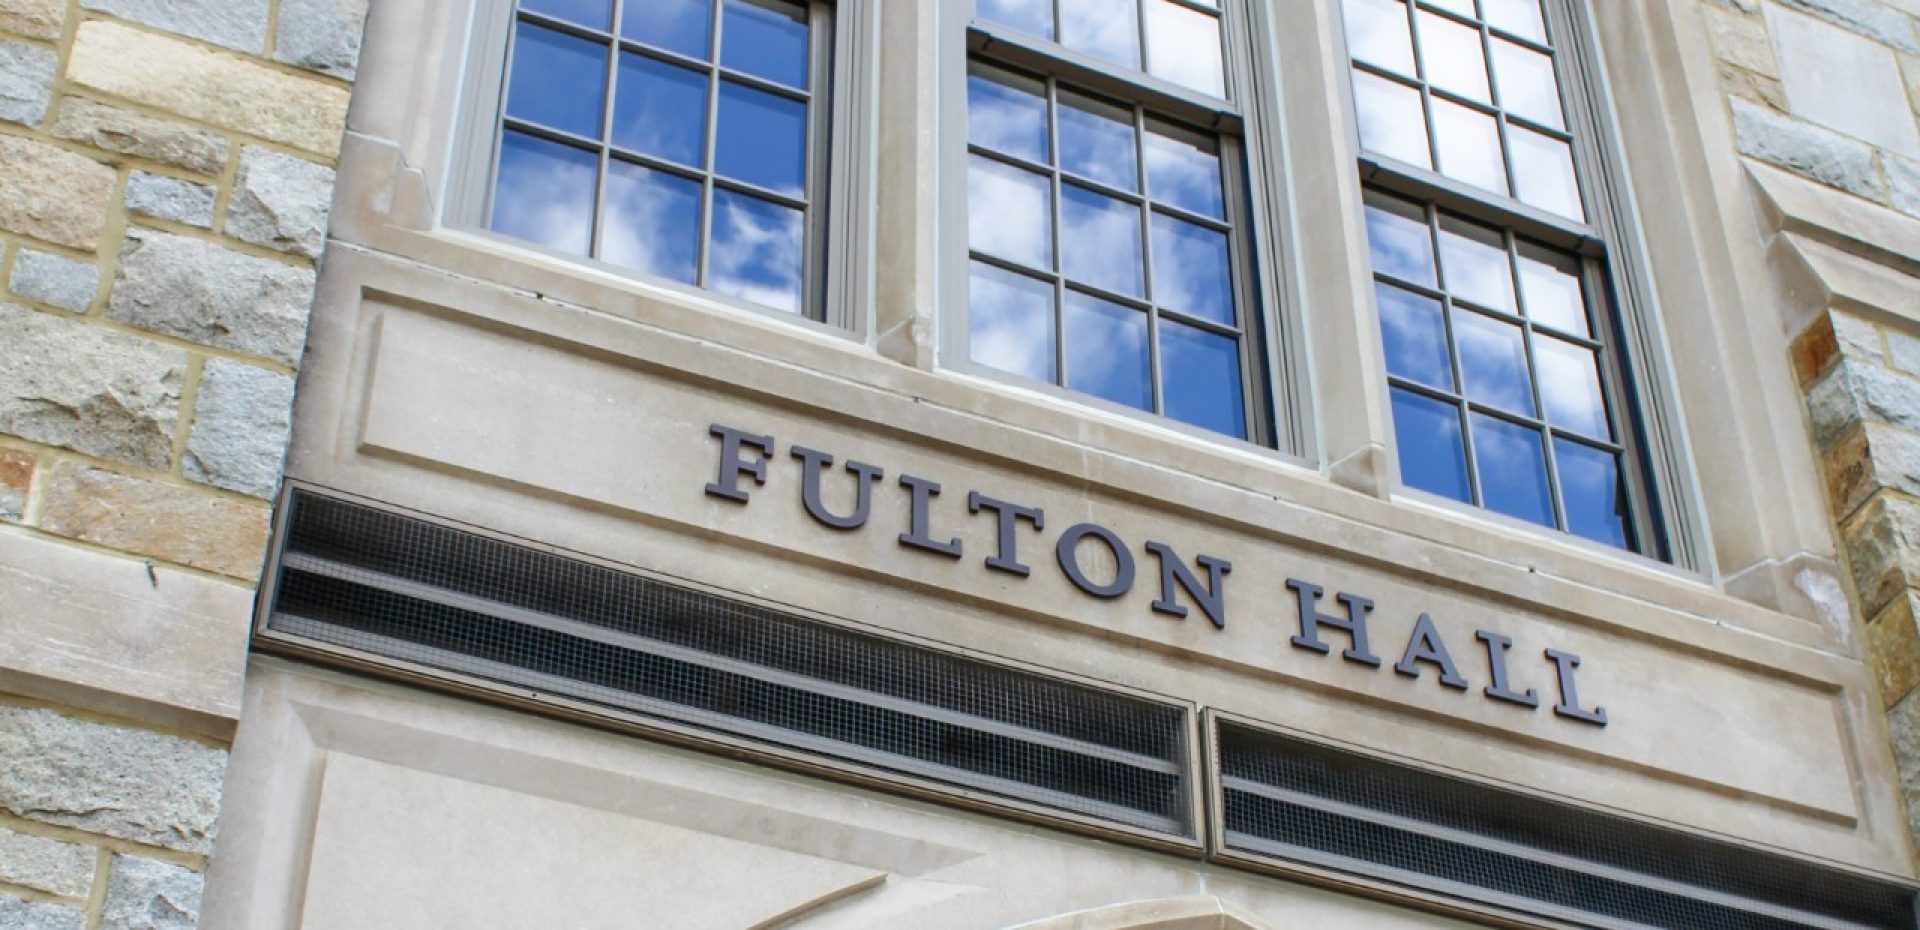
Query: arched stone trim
[1197,912]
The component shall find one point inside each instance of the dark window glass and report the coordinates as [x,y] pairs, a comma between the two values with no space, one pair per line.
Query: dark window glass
[559,81]
[766,38]
[1432,456]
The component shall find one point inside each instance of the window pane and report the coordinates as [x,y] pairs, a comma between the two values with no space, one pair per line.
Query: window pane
[1391,120]
[1201,384]
[758,251]
[1592,493]
[1007,113]
[1191,270]
[544,192]
[1452,56]
[1426,433]
[1029,16]
[1010,322]
[1107,351]
[1100,241]
[1469,145]
[1183,46]
[557,81]
[653,222]
[1414,336]
[1543,173]
[766,38]
[1462,7]
[594,13]
[762,139]
[1520,17]
[1528,88]
[1377,34]
[1513,470]
[1398,240]
[661,110]
[1570,387]
[1493,361]
[1473,260]
[1550,288]
[1108,29]
[1096,141]
[1009,213]
[683,26]
[1183,169]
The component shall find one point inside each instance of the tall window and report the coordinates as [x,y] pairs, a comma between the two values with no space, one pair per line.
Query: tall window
[681,139]
[1491,282]
[1108,249]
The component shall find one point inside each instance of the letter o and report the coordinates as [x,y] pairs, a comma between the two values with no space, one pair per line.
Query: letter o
[1067,551]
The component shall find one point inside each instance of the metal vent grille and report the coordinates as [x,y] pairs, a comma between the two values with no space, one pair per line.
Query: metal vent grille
[1298,801]
[380,584]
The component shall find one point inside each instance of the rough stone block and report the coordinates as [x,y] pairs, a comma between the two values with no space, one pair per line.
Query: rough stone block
[170,199]
[1874,20]
[176,524]
[146,895]
[280,202]
[241,427]
[219,88]
[16,914]
[26,82]
[323,35]
[1882,551]
[16,479]
[1893,646]
[1753,88]
[1904,348]
[47,865]
[54,279]
[201,292]
[113,780]
[1820,154]
[1813,350]
[1741,40]
[53,194]
[236,24]
[68,384]
[1903,182]
[35,19]
[1853,393]
[1843,82]
[129,133]
[1904,721]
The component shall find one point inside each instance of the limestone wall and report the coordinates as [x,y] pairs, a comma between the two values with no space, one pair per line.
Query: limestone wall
[166,171]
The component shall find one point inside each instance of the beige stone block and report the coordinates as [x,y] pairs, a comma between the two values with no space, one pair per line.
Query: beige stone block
[1883,549]
[1813,350]
[53,194]
[16,479]
[84,626]
[223,89]
[39,19]
[1741,40]
[129,133]
[1843,81]
[1893,645]
[1751,87]
[166,522]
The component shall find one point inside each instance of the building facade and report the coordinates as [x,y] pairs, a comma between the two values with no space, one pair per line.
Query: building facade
[1057,463]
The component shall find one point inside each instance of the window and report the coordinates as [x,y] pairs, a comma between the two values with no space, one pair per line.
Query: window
[684,140]
[1108,247]
[1492,276]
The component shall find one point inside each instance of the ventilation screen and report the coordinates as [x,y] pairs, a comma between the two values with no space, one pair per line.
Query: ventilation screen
[1290,799]
[386,585]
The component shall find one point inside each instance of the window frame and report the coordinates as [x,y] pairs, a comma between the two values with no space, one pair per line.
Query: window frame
[838,272]
[1275,378]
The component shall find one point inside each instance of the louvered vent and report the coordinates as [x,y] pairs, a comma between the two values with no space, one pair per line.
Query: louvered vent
[378,584]
[1290,800]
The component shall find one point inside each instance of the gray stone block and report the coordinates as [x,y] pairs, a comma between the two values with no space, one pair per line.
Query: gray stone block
[170,199]
[146,895]
[26,82]
[102,778]
[1822,155]
[1903,182]
[240,430]
[240,24]
[16,914]
[322,35]
[55,279]
[1874,20]
[201,292]
[80,387]
[130,133]
[281,202]
[47,865]
[1862,393]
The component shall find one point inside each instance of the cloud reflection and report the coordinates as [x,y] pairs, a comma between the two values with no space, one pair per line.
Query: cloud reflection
[758,251]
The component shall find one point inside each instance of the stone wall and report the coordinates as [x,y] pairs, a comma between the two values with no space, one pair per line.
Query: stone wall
[166,170]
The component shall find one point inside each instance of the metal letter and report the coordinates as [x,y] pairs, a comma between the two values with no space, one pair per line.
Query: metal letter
[1212,601]
[1497,647]
[732,466]
[1425,645]
[918,520]
[1569,706]
[812,462]
[1311,620]
[1007,559]
[1067,551]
